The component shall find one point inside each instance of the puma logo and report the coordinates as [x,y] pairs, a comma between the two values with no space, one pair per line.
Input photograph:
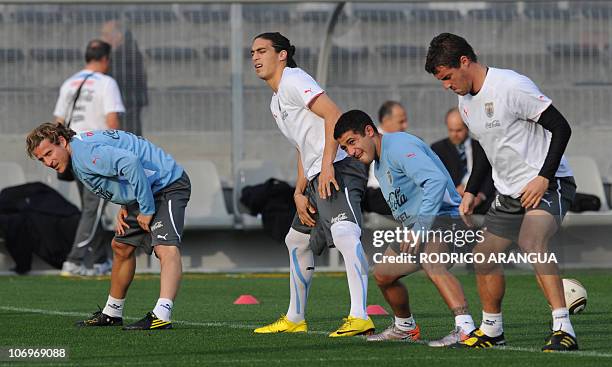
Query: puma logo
[163,237]
[549,202]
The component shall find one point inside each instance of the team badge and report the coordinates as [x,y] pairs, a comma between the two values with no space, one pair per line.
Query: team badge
[114,134]
[489,109]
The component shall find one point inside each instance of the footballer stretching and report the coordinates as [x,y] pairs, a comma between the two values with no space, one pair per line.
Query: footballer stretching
[328,191]
[524,137]
[153,191]
[422,197]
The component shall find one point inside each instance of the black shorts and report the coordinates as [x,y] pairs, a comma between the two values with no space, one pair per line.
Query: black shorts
[345,204]
[167,222]
[440,232]
[505,216]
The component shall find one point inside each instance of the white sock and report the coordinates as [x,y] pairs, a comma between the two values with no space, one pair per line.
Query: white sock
[346,238]
[405,324]
[301,268]
[492,324]
[465,322]
[163,309]
[561,321]
[114,307]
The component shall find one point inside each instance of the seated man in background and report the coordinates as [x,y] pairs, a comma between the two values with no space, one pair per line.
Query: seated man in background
[392,119]
[458,153]
[153,191]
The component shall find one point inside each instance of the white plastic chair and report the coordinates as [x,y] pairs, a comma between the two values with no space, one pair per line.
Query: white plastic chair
[588,181]
[588,178]
[12,175]
[206,208]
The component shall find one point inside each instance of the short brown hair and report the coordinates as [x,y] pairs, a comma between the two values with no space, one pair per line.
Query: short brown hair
[446,50]
[47,130]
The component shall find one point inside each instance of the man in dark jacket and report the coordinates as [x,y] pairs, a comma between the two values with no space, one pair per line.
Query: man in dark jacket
[457,152]
[127,68]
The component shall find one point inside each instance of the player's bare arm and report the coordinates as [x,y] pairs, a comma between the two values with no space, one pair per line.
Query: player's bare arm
[112,120]
[480,169]
[144,220]
[121,225]
[552,120]
[302,204]
[533,192]
[325,108]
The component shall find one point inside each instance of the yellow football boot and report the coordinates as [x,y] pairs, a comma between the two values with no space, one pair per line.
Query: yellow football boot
[283,325]
[354,326]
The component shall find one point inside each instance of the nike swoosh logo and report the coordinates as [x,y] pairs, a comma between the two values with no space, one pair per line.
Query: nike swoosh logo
[345,332]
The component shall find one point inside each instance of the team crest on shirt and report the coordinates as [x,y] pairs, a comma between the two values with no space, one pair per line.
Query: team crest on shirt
[489,109]
[390,177]
[284,115]
[114,134]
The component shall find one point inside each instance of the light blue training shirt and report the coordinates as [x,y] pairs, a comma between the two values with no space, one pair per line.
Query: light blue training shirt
[414,181]
[122,168]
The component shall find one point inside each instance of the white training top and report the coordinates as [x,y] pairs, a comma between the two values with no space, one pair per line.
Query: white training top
[99,96]
[502,116]
[290,107]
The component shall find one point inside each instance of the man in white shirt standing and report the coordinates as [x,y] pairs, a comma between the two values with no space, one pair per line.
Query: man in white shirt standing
[97,107]
[524,137]
[328,191]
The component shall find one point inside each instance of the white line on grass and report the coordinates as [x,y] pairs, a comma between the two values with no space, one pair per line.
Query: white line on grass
[250,327]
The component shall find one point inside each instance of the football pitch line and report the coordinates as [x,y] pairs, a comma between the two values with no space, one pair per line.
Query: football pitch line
[251,327]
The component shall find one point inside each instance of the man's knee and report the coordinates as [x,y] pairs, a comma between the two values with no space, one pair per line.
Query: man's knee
[533,245]
[434,269]
[488,268]
[122,250]
[167,252]
[384,280]
[297,239]
[345,234]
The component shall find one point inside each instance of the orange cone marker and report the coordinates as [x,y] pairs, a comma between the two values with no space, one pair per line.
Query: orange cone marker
[246,299]
[376,310]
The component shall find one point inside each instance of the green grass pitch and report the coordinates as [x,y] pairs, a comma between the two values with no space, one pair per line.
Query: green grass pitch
[40,311]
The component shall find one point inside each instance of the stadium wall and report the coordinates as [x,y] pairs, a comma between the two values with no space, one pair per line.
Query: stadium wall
[377,53]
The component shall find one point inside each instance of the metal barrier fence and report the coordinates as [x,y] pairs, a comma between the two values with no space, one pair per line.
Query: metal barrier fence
[377,54]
